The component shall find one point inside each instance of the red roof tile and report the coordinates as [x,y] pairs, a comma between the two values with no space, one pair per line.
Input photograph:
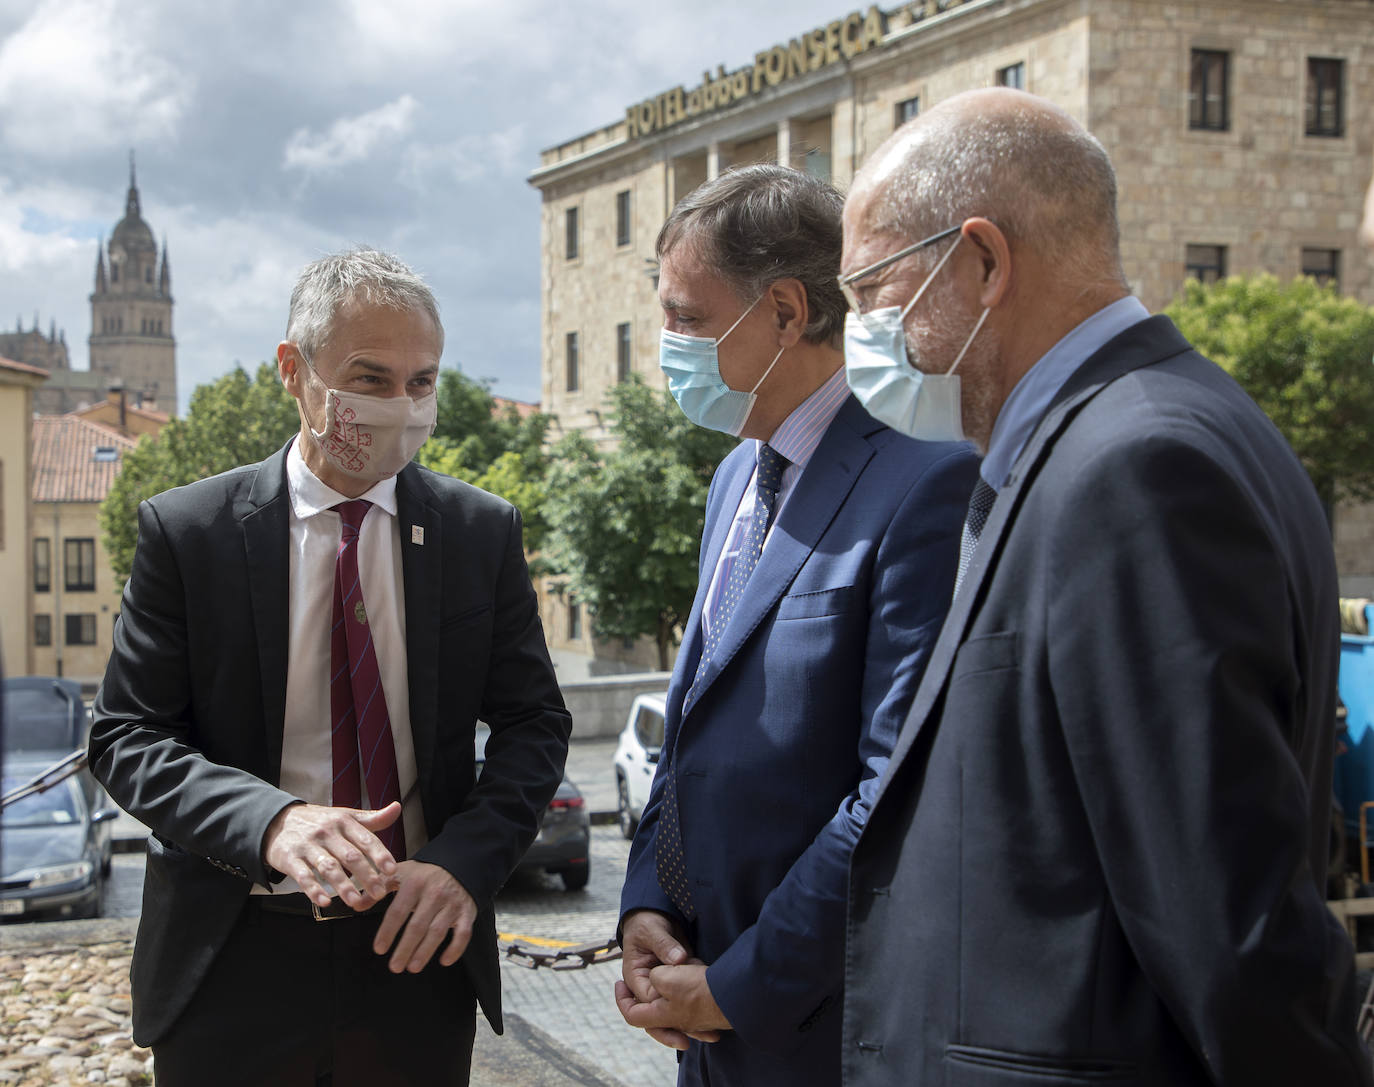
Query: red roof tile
[21,367]
[66,467]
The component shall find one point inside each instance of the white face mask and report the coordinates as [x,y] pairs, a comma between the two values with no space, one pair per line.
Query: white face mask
[891,389]
[372,437]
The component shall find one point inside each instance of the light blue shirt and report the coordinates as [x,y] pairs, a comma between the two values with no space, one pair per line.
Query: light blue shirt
[1039,385]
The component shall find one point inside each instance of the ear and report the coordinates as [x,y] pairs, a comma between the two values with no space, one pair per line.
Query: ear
[288,368]
[990,247]
[792,313]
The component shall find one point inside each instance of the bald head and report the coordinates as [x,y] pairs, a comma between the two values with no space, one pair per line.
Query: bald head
[1007,156]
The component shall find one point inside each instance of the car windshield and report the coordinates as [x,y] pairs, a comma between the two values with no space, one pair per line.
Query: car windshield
[53,807]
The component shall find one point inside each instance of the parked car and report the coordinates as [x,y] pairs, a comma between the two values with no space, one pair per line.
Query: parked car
[56,844]
[44,713]
[636,759]
[563,845]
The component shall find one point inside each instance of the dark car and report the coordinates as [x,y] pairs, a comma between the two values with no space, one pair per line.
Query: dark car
[44,713]
[563,845]
[56,843]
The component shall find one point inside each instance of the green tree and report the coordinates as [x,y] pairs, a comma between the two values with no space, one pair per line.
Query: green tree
[490,447]
[234,420]
[1306,356]
[624,529]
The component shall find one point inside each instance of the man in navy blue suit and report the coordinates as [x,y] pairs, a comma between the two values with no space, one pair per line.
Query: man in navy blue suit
[827,565]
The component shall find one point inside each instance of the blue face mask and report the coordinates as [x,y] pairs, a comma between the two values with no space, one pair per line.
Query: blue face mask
[891,389]
[693,371]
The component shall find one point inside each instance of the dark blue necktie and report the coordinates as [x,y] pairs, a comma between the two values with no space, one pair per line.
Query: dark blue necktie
[669,862]
[979,506]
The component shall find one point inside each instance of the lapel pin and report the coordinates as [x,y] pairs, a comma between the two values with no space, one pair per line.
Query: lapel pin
[417,535]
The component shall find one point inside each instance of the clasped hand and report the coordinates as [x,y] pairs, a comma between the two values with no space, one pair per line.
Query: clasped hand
[322,847]
[664,988]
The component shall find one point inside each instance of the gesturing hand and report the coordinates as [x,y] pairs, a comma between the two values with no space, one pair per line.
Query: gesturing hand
[429,904]
[316,845]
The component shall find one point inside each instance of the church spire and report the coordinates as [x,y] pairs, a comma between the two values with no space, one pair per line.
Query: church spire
[131,208]
[100,267]
[164,281]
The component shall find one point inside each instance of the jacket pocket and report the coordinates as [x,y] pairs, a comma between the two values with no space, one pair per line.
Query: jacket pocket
[990,653]
[815,605]
[978,1066]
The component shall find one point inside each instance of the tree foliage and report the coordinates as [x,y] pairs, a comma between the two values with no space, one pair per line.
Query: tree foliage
[234,420]
[490,447]
[1306,356]
[625,527]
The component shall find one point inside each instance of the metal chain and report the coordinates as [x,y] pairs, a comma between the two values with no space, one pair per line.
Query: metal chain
[53,775]
[565,958]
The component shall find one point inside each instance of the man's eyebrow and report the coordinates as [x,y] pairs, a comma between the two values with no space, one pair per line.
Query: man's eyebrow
[673,303]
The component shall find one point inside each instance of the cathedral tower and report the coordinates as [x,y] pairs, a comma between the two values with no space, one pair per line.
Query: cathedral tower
[131,310]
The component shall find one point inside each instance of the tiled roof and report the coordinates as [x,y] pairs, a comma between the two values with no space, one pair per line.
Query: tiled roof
[75,460]
[143,413]
[522,408]
[21,367]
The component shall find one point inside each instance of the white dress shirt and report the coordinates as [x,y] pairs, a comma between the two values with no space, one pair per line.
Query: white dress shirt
[307,757]
[796,439]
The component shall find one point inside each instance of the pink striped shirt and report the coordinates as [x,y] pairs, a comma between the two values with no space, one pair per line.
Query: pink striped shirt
[796,439]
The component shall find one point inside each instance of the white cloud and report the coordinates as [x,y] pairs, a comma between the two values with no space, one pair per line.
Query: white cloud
[350,139]
[468,158]
[77,77]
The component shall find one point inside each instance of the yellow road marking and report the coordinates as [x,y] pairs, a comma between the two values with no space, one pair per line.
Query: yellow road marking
[536,941]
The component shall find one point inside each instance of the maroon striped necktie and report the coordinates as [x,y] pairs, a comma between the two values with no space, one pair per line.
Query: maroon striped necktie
[360,727]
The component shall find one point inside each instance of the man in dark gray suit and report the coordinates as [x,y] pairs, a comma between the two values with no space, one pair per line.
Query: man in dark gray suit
[1099,850]
[303,650]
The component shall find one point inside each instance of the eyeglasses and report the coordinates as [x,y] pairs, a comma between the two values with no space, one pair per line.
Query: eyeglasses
[847,282]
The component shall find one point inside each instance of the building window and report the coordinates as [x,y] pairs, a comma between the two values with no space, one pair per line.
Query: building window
[42,565]
[1325,95]
[624,358]
[78,563]
[1013,75]
[907,108]
[114,272]
[1208,101]
[574,621]
[81,629]
[622,217]
[570,241]
[1323,265]
[42,630]
[1205,263]
[571,356]
[147,275]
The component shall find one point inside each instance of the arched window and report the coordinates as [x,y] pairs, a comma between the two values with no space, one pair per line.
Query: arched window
[114,272]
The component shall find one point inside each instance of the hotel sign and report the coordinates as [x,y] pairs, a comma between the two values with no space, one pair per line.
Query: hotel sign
[841,39]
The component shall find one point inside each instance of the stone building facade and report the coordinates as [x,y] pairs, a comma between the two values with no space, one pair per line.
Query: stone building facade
[75,595]
[18,382]
[1239,130]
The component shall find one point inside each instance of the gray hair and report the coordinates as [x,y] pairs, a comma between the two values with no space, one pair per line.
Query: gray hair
[755,225]
[360,274]
[1045,183]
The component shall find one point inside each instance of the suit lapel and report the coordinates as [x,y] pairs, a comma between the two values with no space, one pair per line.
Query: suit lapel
[1151,341]
[422,572]
[266,526]
[818,495]
[732,483]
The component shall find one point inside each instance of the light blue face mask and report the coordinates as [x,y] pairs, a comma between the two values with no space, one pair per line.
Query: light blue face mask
[692,367]
[891,389]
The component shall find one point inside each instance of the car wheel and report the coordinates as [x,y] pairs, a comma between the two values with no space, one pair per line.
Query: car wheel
[626,821]
[574,879]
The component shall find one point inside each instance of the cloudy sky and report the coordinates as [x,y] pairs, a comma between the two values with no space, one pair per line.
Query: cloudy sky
[268,133]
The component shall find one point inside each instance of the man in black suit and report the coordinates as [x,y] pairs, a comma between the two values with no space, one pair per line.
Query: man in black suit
[304,648]
[1099,850]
